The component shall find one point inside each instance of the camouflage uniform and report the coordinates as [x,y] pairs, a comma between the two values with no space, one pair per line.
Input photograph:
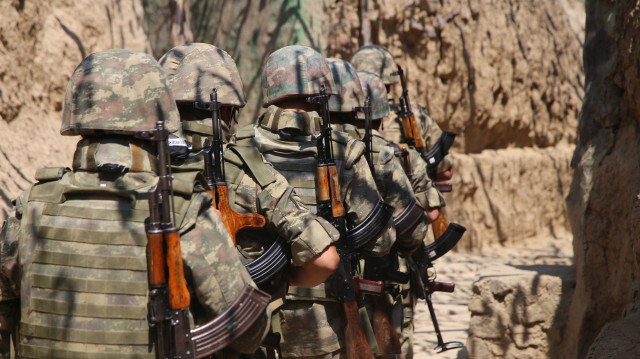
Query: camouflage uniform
[379,61]
[312,321]
[254,186]
[74,247]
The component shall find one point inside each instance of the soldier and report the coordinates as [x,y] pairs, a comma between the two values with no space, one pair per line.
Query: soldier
[254,186]
[312,321]
[391,180]
[411,219]
[379,61]
[74,268]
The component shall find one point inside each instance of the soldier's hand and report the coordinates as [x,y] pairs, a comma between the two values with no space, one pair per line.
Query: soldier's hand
[445,176]
[433,213]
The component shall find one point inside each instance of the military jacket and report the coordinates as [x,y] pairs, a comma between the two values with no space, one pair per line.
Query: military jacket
[391,130]
[74,253]
[311,320]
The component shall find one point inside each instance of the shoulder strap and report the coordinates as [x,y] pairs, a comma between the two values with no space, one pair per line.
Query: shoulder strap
[252,159]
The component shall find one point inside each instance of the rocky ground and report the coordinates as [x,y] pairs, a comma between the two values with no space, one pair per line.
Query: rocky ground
[464,269]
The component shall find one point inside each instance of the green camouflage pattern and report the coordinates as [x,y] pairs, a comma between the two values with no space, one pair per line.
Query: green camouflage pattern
[286,216]
[295,71]
[426,194]
[118,92]
[103,239]
[195,69]
[311,329]
[277,201]
[373,87]
[350,93]
[377,60]
[392,183]
[313,326]
[391,129]
[298,155]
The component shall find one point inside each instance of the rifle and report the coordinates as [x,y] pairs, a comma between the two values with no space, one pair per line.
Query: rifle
[410,128]
[376,268]
[331,208]
[169,298]
[425,285]
[214,174]
[278,255]
[413,137]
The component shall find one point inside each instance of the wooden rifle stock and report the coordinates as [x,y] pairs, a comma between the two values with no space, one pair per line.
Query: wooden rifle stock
[234,221]
[337,207]
[156,260]
[322,175]
[179,297]
[383,328]
[410,128]
[439,225]
[356,343]
[411,131]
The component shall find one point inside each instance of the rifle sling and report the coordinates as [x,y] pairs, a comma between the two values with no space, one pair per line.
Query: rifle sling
[371,227]
[271,262]
[254,162]
[439,150]
[406,221]
[445,242]
[230,324]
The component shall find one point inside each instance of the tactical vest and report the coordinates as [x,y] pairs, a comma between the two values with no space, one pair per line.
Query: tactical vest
[83,259]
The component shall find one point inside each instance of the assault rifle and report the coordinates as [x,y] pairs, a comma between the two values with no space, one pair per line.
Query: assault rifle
[423,285]
[169,298]
[331,208]
[377,269]
[278,255]
[214,173]
[410,127]
[413,137]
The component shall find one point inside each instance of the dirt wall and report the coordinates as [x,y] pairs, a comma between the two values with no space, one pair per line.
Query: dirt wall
[41,43]
[603,202]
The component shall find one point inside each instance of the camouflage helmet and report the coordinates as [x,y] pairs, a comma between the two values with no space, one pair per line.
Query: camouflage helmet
[373,87]
[196,69]
[350,93]
[118,92]
[377,60]
[295,71]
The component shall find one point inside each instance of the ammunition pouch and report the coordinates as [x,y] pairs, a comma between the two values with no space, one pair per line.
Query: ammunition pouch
[371,227]
[230,324]
[435,155]
[406,221]
[271,262]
